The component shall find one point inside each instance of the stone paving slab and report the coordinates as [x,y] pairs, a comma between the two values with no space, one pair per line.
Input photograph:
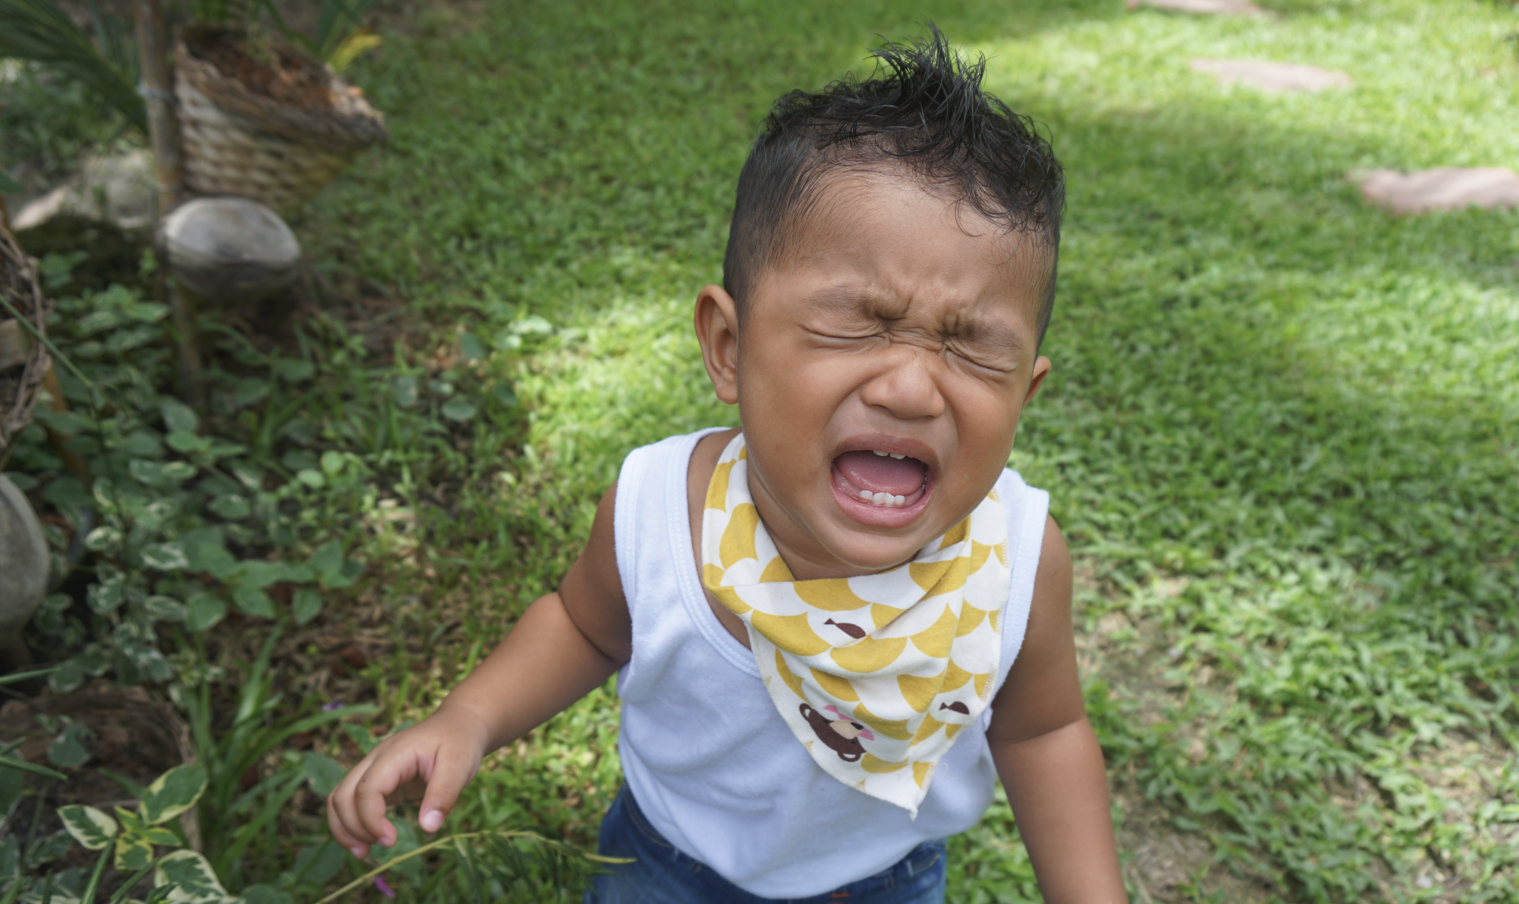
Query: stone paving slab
[1269,76]
[1202,7]
[1444,188]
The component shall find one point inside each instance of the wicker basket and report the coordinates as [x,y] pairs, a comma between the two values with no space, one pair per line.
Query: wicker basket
[238,142]
[19,382]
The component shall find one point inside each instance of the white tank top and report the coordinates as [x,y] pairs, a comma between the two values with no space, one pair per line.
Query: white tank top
[704,751]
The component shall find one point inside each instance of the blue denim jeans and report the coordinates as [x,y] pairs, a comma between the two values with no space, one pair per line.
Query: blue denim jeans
[660,874]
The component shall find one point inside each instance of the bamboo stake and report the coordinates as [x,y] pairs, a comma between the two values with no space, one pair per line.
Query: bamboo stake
[163,134]
[158,94]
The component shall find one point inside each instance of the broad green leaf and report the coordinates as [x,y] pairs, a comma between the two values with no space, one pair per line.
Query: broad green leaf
[323,773]
[404,390]
[306,605]
[177,415]
[161,474]
[108,594]
[458,410]
[318,863]
[327,561]
[195,882]
[70,675]
[256,573]
[332,463]
[293,370]
[161,836]
[471,347]
[532,325]
[164,608]
[253,601]
[165,557]
[172,793]
[204,610]
[90,827]
[249,390]
[125,340]
[311,478]
[232,507]
[68,750]
[133,852]
[265,894]
[206,548]
[142,444]
[146,311]
[48,848]
[187,442]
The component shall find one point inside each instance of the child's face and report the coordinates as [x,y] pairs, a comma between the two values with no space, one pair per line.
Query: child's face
[903,323]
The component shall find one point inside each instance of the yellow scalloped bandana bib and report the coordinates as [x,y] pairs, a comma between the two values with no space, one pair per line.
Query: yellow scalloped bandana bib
[875,674]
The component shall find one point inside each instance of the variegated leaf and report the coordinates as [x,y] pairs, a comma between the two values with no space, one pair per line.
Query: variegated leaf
[172,793]
[161,835]
[192,878]
[133,852]
[89,826]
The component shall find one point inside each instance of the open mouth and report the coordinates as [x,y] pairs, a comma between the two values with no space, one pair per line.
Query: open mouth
[886,483]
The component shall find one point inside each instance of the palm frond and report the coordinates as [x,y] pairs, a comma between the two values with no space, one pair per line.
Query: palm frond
[40,31]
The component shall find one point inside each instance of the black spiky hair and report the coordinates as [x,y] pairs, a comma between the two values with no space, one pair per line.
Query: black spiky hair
[922,109]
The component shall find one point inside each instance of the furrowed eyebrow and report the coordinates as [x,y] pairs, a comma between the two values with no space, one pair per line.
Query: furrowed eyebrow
[988,337]
[844,300]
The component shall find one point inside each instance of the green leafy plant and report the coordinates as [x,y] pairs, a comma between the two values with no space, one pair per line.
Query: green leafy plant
[182,521]
[233,819]
[41,31]
[130,841]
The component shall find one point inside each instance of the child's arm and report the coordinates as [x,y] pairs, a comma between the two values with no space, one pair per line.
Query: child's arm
[1047,754]
[564,646]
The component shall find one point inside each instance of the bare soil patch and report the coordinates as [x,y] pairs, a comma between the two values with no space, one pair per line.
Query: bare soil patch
[1274,77]
[1444,188]
[1202,7]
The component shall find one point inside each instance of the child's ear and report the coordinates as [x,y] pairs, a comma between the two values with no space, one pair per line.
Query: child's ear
[1042,367]
[716,323]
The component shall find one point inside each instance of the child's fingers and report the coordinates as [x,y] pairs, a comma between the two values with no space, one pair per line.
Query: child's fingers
[450,774]
[377,783]
[340,832]
[342,813]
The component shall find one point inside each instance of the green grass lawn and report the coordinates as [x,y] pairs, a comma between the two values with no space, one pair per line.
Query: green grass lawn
[1282,433]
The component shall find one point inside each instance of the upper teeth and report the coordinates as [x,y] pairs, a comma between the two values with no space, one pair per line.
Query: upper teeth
[892,454]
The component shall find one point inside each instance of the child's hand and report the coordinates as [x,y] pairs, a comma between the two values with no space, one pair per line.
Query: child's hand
[433,759]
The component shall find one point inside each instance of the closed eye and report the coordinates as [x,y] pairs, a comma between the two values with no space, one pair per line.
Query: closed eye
[984,360]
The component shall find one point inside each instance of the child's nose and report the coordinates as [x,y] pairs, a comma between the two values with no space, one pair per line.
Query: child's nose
[907,388]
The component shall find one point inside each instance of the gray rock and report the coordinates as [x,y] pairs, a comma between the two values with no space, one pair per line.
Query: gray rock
[115,188]
[230,250]
[23,563]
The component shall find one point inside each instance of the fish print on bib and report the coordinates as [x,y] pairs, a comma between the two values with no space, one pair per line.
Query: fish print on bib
[875,675]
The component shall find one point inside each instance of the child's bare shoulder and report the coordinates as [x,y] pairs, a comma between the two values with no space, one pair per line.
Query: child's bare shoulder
[592,589]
